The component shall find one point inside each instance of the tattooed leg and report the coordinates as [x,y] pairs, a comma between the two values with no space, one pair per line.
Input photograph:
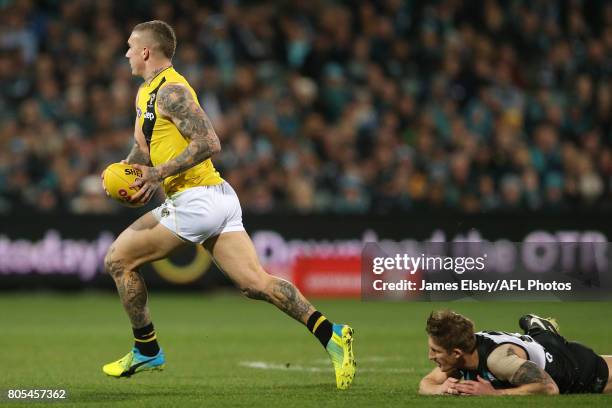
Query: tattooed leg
[285,296]
[144,241]
[235,255]
[131,287]
[133,294]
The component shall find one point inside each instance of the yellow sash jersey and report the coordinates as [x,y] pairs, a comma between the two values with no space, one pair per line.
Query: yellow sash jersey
[164,139]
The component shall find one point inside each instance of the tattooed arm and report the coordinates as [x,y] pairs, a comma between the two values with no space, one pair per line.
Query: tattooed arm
[531,379]
[175,102]
[138,156]
[510,363]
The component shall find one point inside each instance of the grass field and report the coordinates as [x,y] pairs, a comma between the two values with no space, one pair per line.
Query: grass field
[223,350]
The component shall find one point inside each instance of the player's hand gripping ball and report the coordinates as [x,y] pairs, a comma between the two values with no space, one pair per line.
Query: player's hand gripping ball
[117,179]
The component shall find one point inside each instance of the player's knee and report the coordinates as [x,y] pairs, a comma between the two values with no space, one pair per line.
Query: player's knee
[116,263]
[112,262]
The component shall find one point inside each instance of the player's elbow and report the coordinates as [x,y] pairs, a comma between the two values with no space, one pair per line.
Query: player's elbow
[422,389]
[215,147]
[548,388]
[551,388]
[425,387]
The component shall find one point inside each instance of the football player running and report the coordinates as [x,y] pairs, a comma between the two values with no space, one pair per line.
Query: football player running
[174,141]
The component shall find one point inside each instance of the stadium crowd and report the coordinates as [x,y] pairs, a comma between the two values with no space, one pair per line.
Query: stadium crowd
[324,106]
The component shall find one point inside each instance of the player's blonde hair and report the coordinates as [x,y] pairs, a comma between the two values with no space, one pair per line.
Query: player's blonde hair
[451,330]
[163,35]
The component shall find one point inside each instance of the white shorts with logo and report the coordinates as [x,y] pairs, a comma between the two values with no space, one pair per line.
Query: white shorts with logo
[199,213]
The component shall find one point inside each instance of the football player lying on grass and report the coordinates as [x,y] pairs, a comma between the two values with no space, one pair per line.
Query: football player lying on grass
[498,363]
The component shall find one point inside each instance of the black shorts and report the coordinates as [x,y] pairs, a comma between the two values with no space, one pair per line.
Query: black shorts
[575,368]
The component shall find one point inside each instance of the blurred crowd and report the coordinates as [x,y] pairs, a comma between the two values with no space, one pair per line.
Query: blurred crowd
[324,106]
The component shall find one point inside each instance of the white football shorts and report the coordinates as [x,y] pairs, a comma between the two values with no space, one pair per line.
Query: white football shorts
[199,213]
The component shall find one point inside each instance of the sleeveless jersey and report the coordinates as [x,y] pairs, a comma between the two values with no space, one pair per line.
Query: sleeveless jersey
[487,341]
[164,139]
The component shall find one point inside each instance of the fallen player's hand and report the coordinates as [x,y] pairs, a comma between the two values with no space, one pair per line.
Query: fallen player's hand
[448,386]
[480,387]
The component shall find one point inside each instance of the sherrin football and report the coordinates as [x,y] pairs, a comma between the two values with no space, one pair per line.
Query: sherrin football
[117,180]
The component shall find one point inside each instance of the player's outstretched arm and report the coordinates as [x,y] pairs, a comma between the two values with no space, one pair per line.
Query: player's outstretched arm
[175,102]
[437,382]
[507,365]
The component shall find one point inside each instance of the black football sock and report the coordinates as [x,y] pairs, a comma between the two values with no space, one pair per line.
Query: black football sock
[145,340]
[320,327]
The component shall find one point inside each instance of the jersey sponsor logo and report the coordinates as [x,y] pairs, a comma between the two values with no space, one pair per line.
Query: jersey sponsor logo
[149,115]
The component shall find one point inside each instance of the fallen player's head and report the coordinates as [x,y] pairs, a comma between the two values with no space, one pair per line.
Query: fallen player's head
[451,338]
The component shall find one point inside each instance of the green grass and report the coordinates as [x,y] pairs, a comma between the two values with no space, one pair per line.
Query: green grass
[61,342]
